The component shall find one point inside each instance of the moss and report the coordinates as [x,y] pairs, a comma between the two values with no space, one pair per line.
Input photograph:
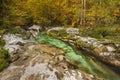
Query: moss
[3,64]
[2,42]
[17,29]
[4,56]
[78,42]
[4,59]
[54,33]
[2,31]
[60,33]
[112,33]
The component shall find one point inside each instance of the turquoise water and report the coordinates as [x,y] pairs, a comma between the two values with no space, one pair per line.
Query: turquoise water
[85,63]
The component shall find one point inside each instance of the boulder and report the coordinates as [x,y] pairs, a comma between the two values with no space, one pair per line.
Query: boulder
[34,31]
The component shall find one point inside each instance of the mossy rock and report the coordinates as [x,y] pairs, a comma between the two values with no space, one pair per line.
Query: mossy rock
[2,31]
[100,50]
[4,54]
[97,51]
[70,36]
[2,42]
[3,63]
[4,58]
[54,34]
[79,43]
[58,33]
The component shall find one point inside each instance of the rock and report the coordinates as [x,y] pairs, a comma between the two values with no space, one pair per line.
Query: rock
[43,66]
[60,58]
[72,31]
[52,62]
[31,47]
[15,57]
[63,65]
[20,43]
[94,46]
[25,57]
[34,31]
[44,62]
[13,42]
[35,28]
[110,49]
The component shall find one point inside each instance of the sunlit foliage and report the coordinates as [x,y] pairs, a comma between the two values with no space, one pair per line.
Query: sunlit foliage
[74,13]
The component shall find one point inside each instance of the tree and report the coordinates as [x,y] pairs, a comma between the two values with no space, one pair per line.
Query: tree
[51,12]
[5,10]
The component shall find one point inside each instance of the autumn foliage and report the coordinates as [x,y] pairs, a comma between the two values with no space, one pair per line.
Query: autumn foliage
[74,13]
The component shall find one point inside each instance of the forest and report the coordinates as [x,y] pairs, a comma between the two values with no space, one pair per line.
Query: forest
[90,20]
[102,16]
[73,13]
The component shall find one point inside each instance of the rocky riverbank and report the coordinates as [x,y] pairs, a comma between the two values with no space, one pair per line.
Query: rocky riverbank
[44,62]
[51,59]
[106,51]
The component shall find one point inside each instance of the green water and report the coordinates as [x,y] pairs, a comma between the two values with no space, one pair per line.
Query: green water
[87,64]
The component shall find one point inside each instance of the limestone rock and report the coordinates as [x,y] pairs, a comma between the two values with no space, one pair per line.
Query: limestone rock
[94,46]
[42,66]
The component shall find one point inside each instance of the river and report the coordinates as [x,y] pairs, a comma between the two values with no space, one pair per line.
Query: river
[86,63]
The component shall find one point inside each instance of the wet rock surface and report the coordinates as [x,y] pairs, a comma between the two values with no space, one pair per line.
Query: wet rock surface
[44,62]
[12,40]
[107,51]
[34,31]
[15,42]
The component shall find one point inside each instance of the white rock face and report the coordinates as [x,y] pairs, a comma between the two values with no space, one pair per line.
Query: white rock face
[68,30]
[72,30]
[39,69]
[12,39]
[11,42]
[34,30]
[35,27]
[110,49]
[56,28]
